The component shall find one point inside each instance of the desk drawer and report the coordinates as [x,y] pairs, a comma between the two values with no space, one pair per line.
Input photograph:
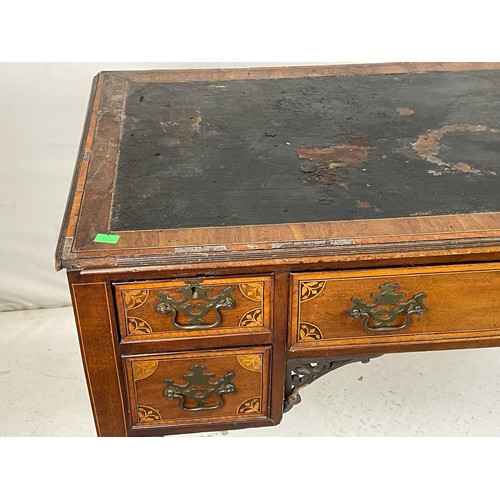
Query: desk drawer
[369,307]
[188,308]
[202,387]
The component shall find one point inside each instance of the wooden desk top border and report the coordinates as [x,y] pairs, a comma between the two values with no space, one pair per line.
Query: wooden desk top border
[90,201]
[183,75]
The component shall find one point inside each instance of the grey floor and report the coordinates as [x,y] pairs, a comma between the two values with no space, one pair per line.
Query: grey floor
[449,393]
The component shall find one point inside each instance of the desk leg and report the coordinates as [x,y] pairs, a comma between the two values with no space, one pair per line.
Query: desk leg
[98,343]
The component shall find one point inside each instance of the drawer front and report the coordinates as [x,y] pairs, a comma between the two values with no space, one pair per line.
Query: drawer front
[190,388]
[395,305]
[194,308]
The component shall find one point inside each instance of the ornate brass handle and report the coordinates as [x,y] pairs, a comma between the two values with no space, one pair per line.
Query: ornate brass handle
[198,388]
[387,308]
[195,303]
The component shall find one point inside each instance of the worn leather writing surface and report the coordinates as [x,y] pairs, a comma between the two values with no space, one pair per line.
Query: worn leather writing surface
[249,152]
[282,164]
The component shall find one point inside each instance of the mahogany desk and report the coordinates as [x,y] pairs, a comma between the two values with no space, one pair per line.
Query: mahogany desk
[230,236]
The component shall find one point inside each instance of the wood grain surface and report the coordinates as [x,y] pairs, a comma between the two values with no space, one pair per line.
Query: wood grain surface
[461,302]
[147,376]
[96,328]
[139,319]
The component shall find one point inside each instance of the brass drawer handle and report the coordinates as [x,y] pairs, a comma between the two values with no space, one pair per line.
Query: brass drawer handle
[195,303]
[198,388]
[387,308]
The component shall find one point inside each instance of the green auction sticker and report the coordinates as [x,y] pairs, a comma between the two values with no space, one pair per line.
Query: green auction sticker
[106,238]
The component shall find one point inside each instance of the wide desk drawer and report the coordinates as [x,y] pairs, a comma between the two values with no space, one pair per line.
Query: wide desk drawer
[198,388]
[356,308]
[188,308]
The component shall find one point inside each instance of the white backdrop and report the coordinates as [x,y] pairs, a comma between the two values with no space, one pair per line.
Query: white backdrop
[42,110]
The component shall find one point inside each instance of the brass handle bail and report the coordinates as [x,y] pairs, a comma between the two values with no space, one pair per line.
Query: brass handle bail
[195,304]
[387,313]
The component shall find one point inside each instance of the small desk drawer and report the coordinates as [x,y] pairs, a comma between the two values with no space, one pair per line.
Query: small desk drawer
[187,308]
[355,308]
[201,387]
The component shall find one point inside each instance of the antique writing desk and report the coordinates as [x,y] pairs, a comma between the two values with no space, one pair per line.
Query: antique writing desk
[231,236]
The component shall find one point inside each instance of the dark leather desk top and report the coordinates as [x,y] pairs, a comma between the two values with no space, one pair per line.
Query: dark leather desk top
[205,154]
[281,157]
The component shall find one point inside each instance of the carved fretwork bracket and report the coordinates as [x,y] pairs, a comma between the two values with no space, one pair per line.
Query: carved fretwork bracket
[300,372]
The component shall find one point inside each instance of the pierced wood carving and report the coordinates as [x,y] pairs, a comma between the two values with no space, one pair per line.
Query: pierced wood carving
[301,372]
